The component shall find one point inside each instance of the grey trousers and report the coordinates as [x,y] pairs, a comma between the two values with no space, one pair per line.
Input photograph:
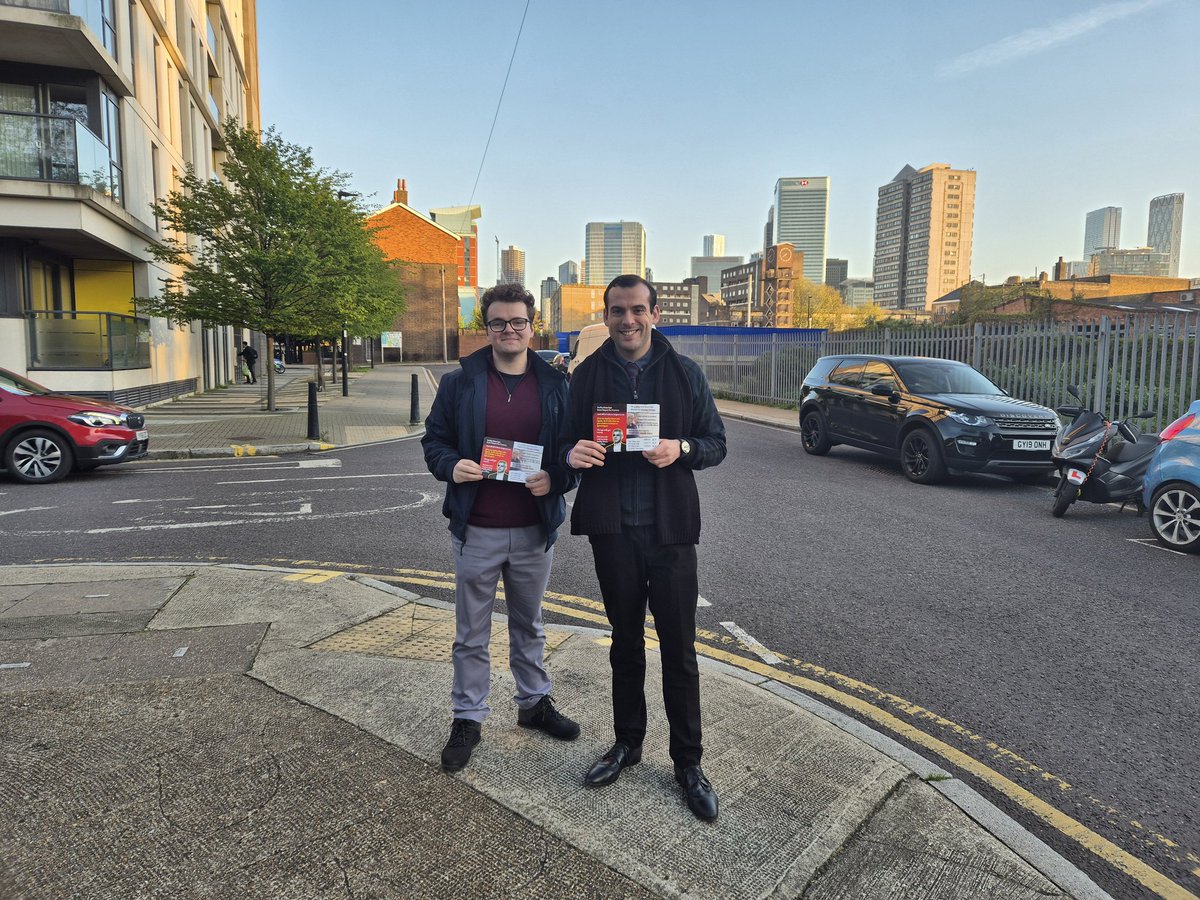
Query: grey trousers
[520,557]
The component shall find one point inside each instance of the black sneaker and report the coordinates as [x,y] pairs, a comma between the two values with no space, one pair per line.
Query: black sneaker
[464,736]
[544,717]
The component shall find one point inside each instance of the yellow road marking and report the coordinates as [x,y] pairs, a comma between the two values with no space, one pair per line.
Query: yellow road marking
[1081,834]
[312,577]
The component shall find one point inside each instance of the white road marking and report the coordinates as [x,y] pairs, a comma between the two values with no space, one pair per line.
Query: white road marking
[257,466]
[752,643]
[1155,545]
[23,665]
[328,478]
[304,510]
[427,498]
[13,512]
[156,500]
[95,596]
[180,652]
[700,601]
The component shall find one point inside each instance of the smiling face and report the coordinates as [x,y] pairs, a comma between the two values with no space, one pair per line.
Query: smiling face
[630,318]
[509,343]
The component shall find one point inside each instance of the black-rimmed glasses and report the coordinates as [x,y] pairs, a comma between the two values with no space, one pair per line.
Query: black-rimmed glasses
[498,325]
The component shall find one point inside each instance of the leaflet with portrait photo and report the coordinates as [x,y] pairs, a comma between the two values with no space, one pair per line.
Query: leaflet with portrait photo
[622,428]
[504,460]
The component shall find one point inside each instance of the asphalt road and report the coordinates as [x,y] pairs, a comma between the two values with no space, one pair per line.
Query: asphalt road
[1060,653]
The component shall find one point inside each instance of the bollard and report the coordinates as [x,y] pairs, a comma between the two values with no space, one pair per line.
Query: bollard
[314,424]
[415,416]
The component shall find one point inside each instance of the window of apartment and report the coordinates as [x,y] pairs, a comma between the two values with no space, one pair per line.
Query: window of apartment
[155,179]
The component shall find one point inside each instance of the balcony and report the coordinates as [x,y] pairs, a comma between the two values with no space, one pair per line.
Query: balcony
[56,148]
[68,339]
[49,32]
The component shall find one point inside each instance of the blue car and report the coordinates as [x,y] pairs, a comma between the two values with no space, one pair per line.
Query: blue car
[1172,491]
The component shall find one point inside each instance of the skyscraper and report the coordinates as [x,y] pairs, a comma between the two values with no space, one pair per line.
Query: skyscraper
[1102,231]
[512,265]
[1165,232]
[461,220]
[568,272]
[612,249]
[924,227]
[714,245]
[799,216]
[836,271]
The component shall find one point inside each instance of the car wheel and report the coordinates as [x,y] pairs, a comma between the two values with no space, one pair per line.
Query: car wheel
[921,457]
[813,435]
[1175,516]
[39,457]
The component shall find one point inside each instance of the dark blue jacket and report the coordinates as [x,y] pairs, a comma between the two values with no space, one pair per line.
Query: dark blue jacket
[454,430]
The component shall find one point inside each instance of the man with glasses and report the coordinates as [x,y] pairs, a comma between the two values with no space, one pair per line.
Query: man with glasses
[500,528]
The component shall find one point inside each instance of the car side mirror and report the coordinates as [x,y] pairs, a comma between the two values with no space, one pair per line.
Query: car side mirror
[1146,414]
[883,389]
[1074,392]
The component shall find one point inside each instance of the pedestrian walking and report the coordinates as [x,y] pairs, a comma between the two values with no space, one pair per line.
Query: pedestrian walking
[500,528]
[249,356]
[641,513]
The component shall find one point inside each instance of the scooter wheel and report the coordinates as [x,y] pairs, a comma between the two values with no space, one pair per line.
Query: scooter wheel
[1065,497]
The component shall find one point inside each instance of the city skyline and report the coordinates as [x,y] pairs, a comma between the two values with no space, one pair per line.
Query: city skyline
[942,82]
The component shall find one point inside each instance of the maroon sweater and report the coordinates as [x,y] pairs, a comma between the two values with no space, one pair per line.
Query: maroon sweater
[505,504]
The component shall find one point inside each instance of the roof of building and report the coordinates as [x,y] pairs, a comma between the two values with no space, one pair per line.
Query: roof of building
[424,218]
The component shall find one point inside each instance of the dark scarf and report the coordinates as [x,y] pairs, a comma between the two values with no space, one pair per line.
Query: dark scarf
[597,508]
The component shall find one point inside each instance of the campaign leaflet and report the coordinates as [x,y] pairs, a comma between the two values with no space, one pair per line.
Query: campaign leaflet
[504,460]
[626,428]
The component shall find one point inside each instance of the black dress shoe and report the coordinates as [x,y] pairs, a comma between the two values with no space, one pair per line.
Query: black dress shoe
[701,798]
[609,766]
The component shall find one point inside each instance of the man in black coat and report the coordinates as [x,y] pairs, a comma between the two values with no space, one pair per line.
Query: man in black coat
[641,512]
[250,356]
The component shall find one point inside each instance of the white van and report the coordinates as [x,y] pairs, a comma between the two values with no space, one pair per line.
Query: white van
[589,341]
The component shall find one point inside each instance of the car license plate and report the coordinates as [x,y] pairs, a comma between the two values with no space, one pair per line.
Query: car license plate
[1031,445]
[143,435]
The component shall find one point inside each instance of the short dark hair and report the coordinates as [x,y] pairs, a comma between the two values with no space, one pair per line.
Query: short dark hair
[628,281]
[506,293]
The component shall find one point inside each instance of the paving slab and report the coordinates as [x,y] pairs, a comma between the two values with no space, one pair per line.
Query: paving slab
[221,787]
[104,596]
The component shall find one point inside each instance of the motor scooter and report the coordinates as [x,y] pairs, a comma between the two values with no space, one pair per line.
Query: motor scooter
[1099,460]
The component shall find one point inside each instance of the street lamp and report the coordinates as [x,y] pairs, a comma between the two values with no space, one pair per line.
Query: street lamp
[346,195]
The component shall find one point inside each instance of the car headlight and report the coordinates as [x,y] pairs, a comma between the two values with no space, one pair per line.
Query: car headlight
[94,419]
[969,419]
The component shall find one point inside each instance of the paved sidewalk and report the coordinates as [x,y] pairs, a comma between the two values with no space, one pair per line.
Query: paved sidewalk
[226,731]
[234,421]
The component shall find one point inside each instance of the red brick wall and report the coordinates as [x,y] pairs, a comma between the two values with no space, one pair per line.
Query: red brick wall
[422,323]
[409,237]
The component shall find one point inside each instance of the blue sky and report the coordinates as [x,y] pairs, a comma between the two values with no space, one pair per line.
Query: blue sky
[682,115]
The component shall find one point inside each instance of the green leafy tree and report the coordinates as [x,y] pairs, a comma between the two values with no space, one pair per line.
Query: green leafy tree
[271,247]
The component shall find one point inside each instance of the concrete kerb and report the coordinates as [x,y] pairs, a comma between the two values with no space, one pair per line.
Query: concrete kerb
[990,818]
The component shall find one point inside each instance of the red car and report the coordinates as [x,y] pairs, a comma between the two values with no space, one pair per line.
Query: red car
[44,435]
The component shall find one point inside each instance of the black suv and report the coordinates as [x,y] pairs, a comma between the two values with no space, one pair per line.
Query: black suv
[935,415]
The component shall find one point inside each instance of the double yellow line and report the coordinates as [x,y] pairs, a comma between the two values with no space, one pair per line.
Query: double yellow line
[592,611]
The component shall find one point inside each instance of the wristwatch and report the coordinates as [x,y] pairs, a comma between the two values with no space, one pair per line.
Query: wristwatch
[685,447]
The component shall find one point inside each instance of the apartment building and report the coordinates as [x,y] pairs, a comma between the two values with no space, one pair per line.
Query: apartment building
[103,105]
[924,229]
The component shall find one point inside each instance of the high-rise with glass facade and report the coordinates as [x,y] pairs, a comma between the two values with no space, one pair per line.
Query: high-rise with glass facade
[714,245]
[799,216]
[612,249]
[1102,230]
[103,106]
[568,272]
[1165,232]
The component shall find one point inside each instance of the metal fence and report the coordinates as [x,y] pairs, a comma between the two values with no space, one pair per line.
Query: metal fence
[1121,365]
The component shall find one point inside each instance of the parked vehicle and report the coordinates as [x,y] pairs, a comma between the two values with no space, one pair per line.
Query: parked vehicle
[44,435]
[1099,460]
[589,341]
[279,367]
[1172,485]
[937,416]
[556,359]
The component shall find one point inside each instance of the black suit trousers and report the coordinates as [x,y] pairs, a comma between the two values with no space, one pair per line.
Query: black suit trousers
[634,571]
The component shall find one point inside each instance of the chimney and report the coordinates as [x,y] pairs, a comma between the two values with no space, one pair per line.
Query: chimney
[401,195]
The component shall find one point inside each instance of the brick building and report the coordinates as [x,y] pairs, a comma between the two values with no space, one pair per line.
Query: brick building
[427,256]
